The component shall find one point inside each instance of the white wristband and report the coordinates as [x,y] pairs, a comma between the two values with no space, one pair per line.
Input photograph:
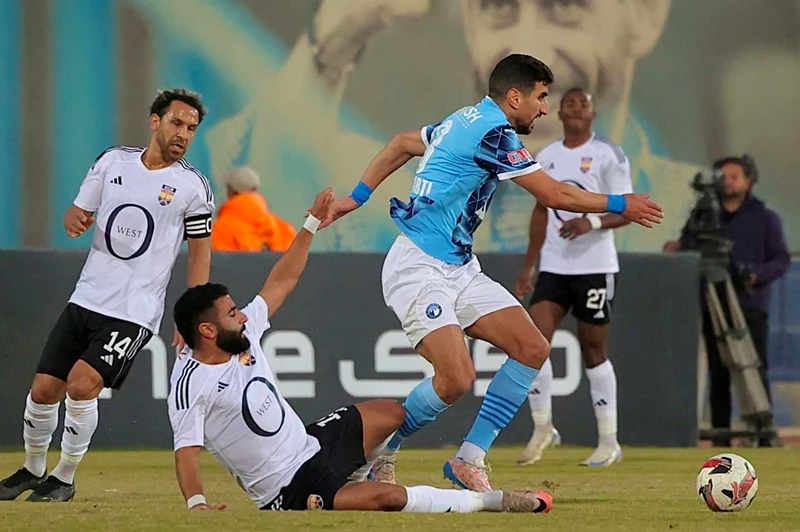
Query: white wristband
[596,222]
[311,224]
[194,500]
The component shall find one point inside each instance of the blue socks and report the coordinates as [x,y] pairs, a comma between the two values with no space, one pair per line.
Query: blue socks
[422,406]
[506,393]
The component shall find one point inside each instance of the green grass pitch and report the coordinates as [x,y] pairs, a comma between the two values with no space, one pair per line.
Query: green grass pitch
[652,489]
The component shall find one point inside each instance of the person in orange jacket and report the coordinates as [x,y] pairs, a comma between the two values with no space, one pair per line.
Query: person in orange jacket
[244,222]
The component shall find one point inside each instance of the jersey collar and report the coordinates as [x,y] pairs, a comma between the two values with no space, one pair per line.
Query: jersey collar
[492,105]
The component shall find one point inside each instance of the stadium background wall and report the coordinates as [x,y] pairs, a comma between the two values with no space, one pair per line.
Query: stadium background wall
[251,61]
[334,342]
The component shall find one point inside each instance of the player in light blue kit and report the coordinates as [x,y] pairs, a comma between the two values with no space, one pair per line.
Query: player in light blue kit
[433,281]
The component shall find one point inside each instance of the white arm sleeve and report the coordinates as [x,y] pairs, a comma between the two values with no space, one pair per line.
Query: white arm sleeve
[617,177]
[187,409]
[257,316]
[91,190]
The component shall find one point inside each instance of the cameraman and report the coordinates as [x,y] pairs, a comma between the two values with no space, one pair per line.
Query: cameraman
[759,258]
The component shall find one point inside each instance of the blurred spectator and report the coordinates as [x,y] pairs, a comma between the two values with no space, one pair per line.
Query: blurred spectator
[244,222]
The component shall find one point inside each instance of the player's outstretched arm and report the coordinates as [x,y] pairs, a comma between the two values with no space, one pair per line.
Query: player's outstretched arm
[536,236]
[187,469]
[554,194]
[284,276]
[391,158]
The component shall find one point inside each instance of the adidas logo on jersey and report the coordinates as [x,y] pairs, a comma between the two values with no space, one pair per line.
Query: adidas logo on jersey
[221,386]
[117,180]
[600,315]
[108,359]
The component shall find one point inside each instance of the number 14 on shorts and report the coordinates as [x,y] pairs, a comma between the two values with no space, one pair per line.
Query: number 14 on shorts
[120,347]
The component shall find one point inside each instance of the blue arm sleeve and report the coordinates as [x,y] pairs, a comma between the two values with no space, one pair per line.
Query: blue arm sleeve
[501,152]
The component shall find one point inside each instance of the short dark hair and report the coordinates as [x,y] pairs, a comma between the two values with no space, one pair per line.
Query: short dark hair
[192,308]
[518,71]
[166,97]
[570,91]
[745,162]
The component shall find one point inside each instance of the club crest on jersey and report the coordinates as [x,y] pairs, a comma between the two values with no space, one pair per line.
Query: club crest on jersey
[586,164]
[247,359]
[166,195]
[517,157]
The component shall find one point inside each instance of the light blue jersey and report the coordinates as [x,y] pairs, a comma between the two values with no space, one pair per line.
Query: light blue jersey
[467,154]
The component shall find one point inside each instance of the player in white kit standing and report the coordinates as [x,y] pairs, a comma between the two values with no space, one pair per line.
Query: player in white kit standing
[224,397]
[578,269]
[146,202]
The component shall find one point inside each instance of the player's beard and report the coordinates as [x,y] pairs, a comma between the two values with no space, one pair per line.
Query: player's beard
[166,150]
[733,195]
[525,128]
[233,342]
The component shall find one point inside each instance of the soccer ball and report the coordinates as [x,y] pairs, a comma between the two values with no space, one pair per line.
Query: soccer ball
[727,483]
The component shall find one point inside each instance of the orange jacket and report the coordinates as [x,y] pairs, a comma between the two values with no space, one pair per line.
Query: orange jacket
[244,223]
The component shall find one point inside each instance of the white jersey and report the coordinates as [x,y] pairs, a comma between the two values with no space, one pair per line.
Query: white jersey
[596,166]
[142,217]
[236,412]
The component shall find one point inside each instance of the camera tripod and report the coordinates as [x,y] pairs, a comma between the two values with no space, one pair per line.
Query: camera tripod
[738,355]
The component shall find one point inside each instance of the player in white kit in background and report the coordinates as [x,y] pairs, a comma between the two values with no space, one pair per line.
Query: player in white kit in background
[223,396]
[146,202]
[578,267]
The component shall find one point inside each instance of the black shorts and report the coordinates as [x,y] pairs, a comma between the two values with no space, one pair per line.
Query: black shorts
[314,486]
[589,296]
[107,344]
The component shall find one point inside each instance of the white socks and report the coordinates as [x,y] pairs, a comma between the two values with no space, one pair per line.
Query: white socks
[39,424]
[426,499]
[79,426]
[603,387]
[540,397]
[469,452]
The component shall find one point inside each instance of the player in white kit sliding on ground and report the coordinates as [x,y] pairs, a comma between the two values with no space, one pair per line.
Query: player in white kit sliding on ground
[147,201]
[224,397]
[431,277]
[578,268]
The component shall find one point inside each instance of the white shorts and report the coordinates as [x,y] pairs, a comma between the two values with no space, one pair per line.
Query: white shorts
[427,294]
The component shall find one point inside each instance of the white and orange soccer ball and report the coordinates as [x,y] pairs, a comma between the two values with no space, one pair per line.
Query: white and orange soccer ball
[727,483]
